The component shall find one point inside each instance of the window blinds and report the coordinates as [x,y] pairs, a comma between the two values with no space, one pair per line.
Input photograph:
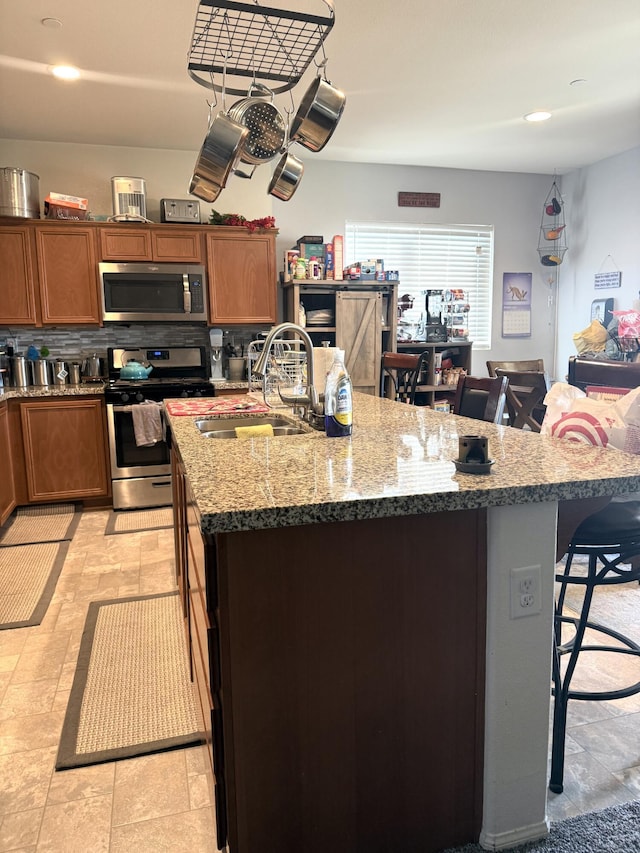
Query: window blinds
[432,257]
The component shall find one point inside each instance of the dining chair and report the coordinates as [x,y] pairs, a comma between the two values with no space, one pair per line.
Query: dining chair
[482,398]
[516,394]
[403,370]
[525,398]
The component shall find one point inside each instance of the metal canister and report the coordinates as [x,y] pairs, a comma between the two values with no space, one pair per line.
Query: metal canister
[40,372]
[19,374]
[74,373]
[60,373]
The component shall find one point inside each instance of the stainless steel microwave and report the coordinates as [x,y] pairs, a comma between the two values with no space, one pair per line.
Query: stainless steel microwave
[170,293]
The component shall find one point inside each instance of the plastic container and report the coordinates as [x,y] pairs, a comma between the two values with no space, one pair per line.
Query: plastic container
[338,399]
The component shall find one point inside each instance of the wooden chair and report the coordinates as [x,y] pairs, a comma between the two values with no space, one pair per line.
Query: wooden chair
[482,398]
[403,371]
[525,398]
[516,395]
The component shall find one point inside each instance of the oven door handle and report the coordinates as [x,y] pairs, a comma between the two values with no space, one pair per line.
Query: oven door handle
[121,408]
[186,296]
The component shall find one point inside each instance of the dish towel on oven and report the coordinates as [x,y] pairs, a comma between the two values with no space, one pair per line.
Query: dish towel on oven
[147,423]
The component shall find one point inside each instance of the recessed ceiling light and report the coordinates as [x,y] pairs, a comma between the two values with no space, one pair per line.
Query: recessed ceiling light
[65,72]
[539,115]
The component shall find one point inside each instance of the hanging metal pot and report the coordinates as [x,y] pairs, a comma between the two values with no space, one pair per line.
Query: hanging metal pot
[318,115]
[217,158]
[286,177]
[264,124]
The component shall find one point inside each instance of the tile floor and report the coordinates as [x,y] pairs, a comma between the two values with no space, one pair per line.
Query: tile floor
[152,803]
[161,802]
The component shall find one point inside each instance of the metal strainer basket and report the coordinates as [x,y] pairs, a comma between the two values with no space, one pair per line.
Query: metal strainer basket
[267,130]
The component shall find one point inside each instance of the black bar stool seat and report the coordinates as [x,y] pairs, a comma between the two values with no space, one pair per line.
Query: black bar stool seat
[610,539]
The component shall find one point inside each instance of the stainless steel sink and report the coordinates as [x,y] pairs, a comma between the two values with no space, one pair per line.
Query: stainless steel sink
[225,427]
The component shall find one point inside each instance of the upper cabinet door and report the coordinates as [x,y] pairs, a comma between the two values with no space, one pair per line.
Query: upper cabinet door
[17,300]
[242,277]
[124,243]
[68,271]
[176,244]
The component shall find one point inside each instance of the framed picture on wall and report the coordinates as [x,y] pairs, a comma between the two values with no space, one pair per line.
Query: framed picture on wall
[601,310]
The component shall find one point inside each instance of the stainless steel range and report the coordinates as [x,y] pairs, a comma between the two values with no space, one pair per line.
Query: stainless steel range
[141,474]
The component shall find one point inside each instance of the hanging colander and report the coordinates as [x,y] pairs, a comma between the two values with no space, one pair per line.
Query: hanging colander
[265,125]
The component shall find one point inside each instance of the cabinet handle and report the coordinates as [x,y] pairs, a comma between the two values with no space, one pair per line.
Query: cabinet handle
[161,483]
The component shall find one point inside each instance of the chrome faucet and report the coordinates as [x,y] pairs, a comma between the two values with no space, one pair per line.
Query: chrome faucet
[309,400]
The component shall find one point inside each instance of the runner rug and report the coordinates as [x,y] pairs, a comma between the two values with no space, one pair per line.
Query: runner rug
[135,521]
[28,577]
[131,693]
[45,523]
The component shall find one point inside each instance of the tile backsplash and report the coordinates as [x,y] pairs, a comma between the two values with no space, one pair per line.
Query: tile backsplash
[73,344]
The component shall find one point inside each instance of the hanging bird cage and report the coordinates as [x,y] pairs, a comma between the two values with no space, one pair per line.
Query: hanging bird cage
[552,244]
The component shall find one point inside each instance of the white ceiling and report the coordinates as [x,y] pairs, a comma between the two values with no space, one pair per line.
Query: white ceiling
[428,83]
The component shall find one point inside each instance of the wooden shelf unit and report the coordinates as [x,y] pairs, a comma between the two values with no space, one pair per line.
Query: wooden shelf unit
[428,393]
[365,323]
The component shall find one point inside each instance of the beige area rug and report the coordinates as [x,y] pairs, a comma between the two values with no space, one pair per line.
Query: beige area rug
[28,577]
[131,693]
[134,521]
[46,523]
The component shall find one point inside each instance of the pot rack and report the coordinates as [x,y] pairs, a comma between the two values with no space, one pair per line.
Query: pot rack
[252,41]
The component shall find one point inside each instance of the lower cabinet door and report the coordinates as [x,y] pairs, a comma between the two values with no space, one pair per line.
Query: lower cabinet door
[7,490]
[65,448]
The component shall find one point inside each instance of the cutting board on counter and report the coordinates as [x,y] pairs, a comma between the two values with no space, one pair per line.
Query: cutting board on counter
[211,406]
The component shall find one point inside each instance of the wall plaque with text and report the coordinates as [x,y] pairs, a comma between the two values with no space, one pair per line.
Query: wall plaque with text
[406,199]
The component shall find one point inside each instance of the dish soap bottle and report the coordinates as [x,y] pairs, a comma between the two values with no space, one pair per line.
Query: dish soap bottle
[338,403]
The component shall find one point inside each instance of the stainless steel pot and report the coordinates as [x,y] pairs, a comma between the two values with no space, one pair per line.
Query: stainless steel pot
[266,126]
[218,156]
[318,115]
[19,193]
[286,177]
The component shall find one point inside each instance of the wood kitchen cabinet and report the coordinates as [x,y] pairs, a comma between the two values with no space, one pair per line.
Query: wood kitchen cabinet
[7,489]
[241,275]
[277,649]
[194,557]
[59,448]
[50,274]
[166,243]
[364,322]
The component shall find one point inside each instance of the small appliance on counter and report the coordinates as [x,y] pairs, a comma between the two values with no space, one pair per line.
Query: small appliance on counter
[179,210]
[129,200]
[215,339]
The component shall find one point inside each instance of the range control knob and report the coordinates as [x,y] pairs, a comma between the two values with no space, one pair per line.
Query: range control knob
[184,394]
[139,396]
[197,393]
[124,397]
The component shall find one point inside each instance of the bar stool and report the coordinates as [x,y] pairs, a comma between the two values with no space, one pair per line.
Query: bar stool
[610,538]
[403,370]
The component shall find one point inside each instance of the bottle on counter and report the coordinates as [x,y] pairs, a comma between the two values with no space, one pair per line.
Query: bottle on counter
[338,399]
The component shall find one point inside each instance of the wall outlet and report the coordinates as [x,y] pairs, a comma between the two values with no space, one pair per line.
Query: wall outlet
[526,598]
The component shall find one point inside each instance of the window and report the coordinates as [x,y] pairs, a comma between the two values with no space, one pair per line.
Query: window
[432,257]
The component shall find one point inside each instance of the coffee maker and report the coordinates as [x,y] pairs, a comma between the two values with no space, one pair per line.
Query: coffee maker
[215,339]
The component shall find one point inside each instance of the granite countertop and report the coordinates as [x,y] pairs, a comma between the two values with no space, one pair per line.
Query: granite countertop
[53,391]
[397,462]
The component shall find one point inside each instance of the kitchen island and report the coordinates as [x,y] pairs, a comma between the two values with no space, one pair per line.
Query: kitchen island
[347,606]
